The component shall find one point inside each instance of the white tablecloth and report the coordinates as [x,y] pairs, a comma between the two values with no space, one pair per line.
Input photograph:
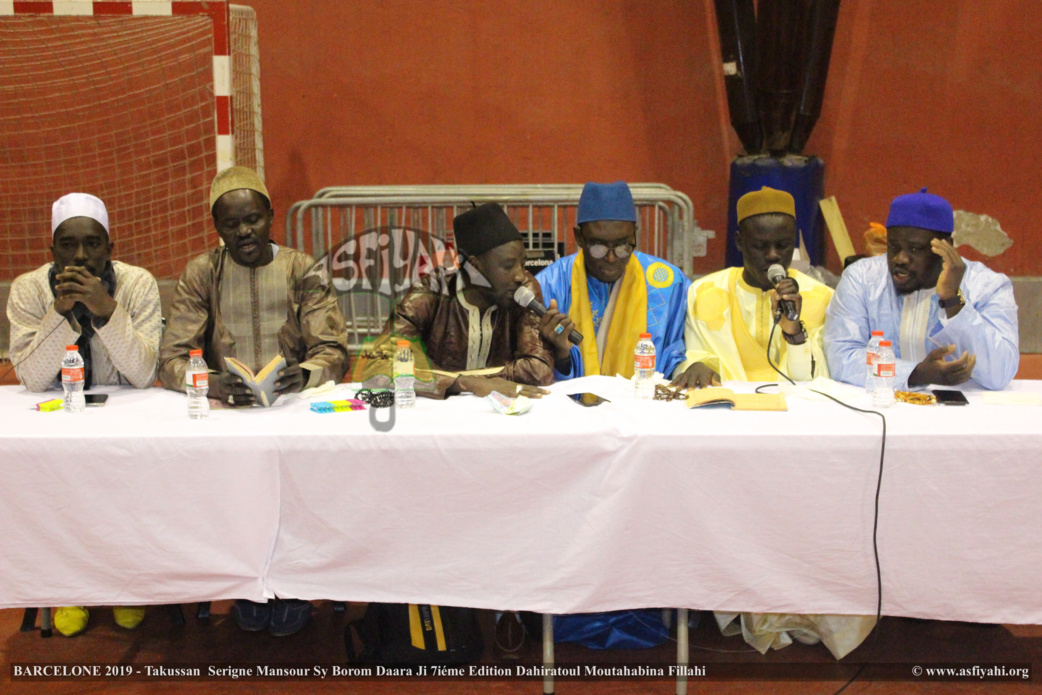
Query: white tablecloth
[132,503]
[564,509]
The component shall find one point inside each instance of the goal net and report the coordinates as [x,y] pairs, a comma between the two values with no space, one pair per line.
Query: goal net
[130,101]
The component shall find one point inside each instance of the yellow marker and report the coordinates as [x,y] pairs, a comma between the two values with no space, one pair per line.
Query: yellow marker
[51,405]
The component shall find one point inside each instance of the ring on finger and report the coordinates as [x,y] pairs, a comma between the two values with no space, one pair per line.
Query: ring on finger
[559,330]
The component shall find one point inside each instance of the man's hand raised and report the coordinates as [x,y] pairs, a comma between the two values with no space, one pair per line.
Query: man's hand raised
[555,327]
[790,290]
[935,369]
[77,284]
[952,270]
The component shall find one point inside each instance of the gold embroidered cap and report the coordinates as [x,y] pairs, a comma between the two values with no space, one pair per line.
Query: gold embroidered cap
[764,201]
[234,178]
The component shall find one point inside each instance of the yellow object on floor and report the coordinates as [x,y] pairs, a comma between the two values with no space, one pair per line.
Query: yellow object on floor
[71,620]
[128,616]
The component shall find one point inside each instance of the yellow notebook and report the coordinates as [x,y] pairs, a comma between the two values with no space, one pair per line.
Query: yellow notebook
[737,401]
[263,382]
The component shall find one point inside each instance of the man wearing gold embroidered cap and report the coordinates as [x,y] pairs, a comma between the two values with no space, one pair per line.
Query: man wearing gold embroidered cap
[729,321]
[252,300]
[730,313]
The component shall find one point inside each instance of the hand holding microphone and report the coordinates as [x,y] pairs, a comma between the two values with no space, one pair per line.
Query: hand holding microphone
[777,275]
[526,298]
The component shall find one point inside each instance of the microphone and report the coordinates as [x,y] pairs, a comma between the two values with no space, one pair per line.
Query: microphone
[526,298]
[776,274]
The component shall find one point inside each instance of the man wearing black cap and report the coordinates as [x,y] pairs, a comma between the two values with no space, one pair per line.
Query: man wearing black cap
[949,320]
[476,337]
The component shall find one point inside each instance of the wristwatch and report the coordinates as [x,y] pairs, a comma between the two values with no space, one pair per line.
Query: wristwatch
[957,300]
[797,338]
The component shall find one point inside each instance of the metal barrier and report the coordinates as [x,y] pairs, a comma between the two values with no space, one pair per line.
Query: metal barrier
[544,213]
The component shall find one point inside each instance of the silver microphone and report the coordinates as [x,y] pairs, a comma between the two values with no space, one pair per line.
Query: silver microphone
[526,298]
[776,273]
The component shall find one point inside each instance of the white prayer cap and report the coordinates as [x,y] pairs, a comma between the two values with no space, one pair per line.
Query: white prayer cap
[78,205]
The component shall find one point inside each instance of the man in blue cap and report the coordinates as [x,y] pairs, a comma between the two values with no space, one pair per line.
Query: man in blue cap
[949,320]
[611,293]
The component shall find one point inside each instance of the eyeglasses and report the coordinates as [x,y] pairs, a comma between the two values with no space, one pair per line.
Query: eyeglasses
[599,251]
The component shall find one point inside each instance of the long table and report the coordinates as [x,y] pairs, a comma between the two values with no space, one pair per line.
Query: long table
[564,509]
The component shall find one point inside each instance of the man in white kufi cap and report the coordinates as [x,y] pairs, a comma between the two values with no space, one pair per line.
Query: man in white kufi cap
[109,309]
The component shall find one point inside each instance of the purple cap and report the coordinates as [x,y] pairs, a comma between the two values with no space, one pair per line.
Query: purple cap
[923,210]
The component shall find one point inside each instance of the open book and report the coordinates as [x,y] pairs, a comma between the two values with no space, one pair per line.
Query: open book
[263,382]
[737,401]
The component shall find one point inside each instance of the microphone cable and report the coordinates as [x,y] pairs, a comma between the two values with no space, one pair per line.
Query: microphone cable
[879,485]
[42,341]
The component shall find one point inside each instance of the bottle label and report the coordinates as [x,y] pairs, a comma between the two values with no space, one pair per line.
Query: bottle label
[643,361]
[403,369]
[72,374]
[870,357]
[885,369]
[197,380]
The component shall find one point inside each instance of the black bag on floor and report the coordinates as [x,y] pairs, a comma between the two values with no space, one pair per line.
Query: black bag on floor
[403,634]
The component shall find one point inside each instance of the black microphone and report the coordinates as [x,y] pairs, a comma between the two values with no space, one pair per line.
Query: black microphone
[776,274]
[526,298]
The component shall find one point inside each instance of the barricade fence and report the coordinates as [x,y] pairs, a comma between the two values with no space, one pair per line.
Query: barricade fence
[377,240]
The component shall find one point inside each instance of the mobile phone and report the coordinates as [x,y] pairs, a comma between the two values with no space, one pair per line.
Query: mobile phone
[588,399]
[95,400]
[949,397]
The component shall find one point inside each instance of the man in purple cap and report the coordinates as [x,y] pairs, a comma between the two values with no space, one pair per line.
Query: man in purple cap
[611,293]
[949,320]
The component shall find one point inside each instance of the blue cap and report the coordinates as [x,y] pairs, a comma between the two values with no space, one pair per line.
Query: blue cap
[606,201]
[923,210]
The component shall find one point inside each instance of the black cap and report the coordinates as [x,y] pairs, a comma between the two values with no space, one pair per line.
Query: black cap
[482,229]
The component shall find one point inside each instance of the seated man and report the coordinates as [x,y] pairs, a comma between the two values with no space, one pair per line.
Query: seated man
[730,313]
[611,293]
[468,320]
[252,300]
[729,321]
[929,303]
[109,309]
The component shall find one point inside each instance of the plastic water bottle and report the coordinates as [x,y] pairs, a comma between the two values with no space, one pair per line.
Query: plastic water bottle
[883,388]
[197,384]
[870,361]
[644,367]
[72,380]
[404,379]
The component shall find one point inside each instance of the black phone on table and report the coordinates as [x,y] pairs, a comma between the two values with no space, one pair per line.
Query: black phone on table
[950,397]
